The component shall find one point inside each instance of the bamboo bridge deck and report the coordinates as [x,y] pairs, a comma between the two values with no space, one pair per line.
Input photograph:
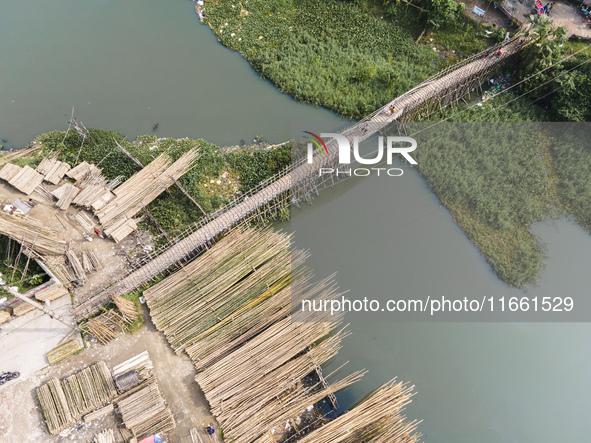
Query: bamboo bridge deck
[445,88]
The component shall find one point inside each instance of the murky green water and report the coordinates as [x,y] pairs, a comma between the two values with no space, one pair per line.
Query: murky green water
[475,382]
[126,65]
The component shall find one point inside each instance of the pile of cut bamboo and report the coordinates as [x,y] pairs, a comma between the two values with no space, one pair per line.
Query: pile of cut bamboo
[40,239]
[22,308]
[65,195]
[75,265]
[99,413]
[26,180]
[105,437]
[9,171]
[107,326]
[53,169]
[51,292]
[63,403]
[376,419]
[126,307]
[141,189]
[54,406]
[141,363]
[82,170]
[146,412]
[64,351]
[242,271]
[94,197]
[89,389]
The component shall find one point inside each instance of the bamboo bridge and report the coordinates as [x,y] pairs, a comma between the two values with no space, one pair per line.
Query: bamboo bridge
[437,92]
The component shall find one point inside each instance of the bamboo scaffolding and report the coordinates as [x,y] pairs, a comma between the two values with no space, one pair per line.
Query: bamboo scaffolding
[64,351]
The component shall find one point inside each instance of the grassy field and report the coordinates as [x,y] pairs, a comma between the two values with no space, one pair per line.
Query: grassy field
[351,57]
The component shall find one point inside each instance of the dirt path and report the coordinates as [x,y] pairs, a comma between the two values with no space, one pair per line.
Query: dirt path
[20,418]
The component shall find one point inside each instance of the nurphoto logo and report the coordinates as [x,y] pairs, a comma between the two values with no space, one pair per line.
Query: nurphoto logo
[394,146]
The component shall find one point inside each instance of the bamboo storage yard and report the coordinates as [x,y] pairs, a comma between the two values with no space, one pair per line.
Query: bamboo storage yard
[230,311]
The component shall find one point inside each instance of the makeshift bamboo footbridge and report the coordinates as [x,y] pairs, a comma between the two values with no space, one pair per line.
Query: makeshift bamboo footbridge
[442,90]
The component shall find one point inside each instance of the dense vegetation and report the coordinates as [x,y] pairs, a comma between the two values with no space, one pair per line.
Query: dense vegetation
[351,57]
[245,168]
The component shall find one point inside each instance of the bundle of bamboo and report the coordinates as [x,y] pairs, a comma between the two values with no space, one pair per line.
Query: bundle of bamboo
[82,170]
[107,326]
[64,351]
[126,307]
[141,363]
[4,316]
[9,171]
[54,406]
[34,236]
[53,169]
[75,265]
[26,180]
[65,195]
[99,413]
[146,412]
[89,389]
[22,308]
[93,196]
[121,228]
[377,419]
[221,283]
[142,188]
[105,437]
[51,292]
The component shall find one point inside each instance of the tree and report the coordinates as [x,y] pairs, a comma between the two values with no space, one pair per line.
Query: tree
[573,102]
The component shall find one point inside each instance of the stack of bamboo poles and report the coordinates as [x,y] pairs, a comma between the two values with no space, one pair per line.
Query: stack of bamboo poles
[220,283]
[9,171]
[22,308]
[141,363]
[142,188]
[121,228]
[126,307]
[26,180]
[90,261]
[57,264]
[42,194]
[65,195]
[89,389]
[85,221]
[83,169]
[64,351]
[52,292]
[54,407]
[4,317]
[146,412]
[376,419]
[107,326]
[75,265]
[93,197]
[105,437]
[40,239]
[53,169]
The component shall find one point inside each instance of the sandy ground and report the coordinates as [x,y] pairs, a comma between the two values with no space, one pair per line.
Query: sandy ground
[20,418]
